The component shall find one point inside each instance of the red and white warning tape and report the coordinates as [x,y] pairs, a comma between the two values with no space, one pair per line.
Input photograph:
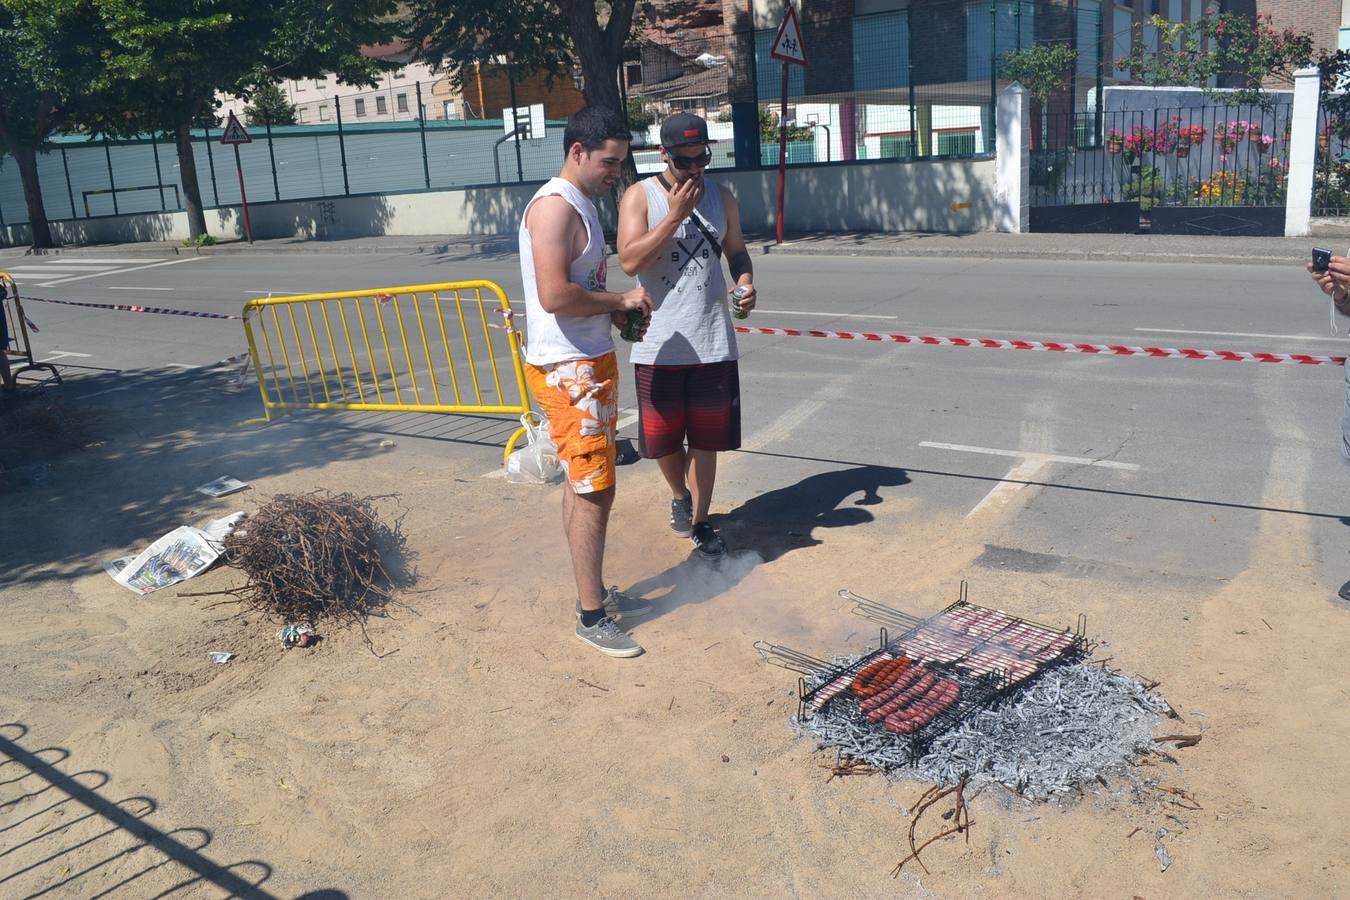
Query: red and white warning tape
[121,307]
[1303,359]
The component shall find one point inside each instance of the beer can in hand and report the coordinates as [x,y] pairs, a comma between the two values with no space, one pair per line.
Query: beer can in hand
[736,297]
[633,327]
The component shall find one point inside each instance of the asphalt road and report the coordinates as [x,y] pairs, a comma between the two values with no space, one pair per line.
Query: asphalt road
[1156,470]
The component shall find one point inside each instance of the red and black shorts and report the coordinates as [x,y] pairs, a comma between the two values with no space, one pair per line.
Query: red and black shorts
[700,403]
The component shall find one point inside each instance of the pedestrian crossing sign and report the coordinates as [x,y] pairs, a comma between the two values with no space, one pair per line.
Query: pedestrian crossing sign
[234,132]
[788,46]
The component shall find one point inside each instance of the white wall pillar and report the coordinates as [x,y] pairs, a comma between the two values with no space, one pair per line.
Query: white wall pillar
[1013,160]
[1302,153]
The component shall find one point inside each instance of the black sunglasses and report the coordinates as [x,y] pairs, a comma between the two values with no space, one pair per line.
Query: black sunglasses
[688,162]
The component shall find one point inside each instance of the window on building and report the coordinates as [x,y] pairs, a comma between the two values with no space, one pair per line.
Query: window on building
[300,114]
[402,101]
[360,108]
[896,146]
[633,72]
[401,73]
[323,112]
[298,85]
[450,111]
[318,83]
[962,144]
[381,107]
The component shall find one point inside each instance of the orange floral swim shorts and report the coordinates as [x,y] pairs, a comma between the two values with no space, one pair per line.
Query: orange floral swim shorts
[581,399]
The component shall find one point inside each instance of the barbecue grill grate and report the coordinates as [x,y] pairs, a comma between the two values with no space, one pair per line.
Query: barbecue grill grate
[989,653]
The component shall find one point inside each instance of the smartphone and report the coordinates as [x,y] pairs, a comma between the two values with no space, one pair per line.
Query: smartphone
[1321,259]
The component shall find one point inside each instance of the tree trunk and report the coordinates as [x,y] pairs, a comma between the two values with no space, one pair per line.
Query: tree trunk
[187,171]
[41,230]
[598,52]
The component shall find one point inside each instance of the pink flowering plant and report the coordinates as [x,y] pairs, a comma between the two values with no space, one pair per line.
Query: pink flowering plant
[1231,46]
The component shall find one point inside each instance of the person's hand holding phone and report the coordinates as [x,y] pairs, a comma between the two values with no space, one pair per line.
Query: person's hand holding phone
[1330,272]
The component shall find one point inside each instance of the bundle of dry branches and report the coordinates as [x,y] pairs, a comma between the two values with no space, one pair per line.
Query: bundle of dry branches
[318,556]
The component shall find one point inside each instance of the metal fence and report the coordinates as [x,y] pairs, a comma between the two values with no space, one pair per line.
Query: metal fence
[1193,156]
[1331,173]
[902,85]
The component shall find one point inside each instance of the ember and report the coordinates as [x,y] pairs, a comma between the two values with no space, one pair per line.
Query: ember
[976,695]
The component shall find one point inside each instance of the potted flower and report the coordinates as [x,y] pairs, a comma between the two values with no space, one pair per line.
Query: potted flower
[1115,142]
[1254,132]
[1225,137]
[1263,143]
[1238,129]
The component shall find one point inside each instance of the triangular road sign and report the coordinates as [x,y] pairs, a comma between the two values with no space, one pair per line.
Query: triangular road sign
[234,132]
[788,45]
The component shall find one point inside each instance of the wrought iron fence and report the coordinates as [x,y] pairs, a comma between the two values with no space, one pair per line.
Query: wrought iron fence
[1331,174]
[1192,156]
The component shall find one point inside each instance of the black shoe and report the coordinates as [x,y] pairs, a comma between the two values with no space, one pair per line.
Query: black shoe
[682,515]
[708,542]
[1344,592]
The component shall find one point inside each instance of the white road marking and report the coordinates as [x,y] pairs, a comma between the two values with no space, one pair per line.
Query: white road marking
[1011,483]
[835,315]
[85,264]
[62,354]
[171,262]
[287,293]
[49,272]
[110,288]
[1029,466]
[180,366]
[63,260]
[1021,454]
[1240,334]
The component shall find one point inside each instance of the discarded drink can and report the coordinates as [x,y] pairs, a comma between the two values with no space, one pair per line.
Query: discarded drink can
[633,327]
[736,297]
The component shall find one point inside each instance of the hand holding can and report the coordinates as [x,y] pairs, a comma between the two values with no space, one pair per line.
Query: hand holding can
[632,329]
[736,297]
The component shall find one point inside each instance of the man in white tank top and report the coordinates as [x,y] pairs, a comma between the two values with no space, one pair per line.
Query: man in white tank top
[570,365]
[674,230]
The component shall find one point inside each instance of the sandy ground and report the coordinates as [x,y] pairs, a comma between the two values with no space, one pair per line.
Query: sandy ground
[485,752]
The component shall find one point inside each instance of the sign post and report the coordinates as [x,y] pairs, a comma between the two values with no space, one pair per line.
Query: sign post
[234,136]
[789,49]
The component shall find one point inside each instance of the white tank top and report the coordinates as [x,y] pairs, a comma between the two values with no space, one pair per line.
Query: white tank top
[691,322]
[551,338]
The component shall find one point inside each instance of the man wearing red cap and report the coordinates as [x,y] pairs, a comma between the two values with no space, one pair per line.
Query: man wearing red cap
[674,230]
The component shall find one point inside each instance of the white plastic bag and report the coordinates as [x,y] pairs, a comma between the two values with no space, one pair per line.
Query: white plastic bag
[537,462]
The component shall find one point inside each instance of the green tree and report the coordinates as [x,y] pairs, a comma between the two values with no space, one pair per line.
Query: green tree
[1224,50]
[269,106]
[530,35]
[639,116]
[768,129]
[49,51]
[1042,68]
[169,59]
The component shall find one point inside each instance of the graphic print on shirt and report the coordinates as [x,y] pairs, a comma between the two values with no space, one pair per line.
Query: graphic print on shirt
[690,257]
[597,278]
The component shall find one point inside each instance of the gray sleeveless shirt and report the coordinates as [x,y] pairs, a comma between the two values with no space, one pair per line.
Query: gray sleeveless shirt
[691,322]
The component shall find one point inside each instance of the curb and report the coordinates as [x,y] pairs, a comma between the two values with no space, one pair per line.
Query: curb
[787,249]
[309,247]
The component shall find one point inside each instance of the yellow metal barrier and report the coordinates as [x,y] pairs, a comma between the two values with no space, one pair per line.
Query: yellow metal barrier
[21,355]
[418,348]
